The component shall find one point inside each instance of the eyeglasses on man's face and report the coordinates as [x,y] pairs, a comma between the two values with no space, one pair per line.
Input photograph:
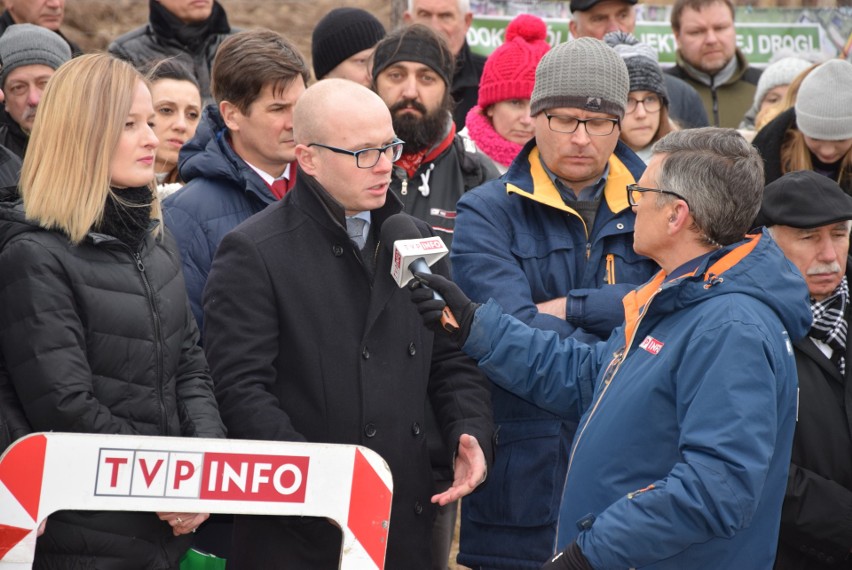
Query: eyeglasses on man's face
[634,194]
[652,104]
[369,157]
[568,124]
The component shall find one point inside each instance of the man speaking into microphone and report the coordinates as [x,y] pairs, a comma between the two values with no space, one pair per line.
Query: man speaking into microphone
[310,339]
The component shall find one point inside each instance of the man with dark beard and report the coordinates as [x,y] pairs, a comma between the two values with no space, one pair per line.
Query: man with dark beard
[412,71]
[412,68]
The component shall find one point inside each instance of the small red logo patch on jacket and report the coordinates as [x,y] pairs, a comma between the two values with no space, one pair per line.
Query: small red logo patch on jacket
[652,345]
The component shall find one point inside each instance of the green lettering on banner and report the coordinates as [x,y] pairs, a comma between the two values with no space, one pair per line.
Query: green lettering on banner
[757,41]
[487,33]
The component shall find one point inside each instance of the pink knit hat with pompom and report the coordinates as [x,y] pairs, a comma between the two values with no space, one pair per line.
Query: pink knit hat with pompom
[510,70]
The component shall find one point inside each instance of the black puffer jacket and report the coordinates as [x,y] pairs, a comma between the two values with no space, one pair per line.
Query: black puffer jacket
[12,136]
[165,36]
[98,338]
[10,172]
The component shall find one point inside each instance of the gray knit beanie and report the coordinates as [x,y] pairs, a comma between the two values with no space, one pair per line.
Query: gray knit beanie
[824,102]
[28,44]
[641,60]
[780,72]
[583,74]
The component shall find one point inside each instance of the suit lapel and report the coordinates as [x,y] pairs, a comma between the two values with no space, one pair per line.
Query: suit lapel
[812,351]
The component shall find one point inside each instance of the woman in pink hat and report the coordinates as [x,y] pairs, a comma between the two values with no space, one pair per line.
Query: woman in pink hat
[501,124]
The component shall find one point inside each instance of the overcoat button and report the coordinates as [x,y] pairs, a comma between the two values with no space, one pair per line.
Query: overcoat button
[370,430]
[412,350]
[418,508]
[365,354]
[619,226]
[337,250]
[415,428]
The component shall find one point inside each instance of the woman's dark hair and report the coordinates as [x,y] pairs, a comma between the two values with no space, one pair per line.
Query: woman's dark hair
[169,68]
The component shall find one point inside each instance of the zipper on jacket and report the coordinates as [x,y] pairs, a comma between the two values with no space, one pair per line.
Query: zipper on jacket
[158,338]
[618,358]
[610,269]
[715,97]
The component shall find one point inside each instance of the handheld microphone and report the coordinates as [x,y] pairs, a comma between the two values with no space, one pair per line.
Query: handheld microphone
[413,253]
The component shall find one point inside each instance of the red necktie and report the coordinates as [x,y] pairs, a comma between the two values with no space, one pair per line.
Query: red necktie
[279,187]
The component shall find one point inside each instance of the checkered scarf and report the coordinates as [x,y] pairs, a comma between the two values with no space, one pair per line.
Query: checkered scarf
[829,324]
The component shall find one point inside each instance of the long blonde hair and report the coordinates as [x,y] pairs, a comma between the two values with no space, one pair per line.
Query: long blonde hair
[795,155]
[65,178]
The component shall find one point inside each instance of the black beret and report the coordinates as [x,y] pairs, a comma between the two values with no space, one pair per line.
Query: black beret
[804,199]
[583,5]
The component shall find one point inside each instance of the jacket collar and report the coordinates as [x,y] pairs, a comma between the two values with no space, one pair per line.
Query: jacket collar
[544,191]
[467,74]
[770,139]
[637,302]
[168,27]
[14,129]
[740,68]
[209,155]
[325,208]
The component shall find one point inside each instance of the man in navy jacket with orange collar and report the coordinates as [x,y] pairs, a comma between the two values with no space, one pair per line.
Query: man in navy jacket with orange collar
[552,242]
[687,411]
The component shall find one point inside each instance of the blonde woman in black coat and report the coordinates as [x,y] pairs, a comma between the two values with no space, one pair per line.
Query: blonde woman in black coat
[96,335]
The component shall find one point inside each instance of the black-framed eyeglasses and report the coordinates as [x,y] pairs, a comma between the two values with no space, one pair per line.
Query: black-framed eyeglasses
[369,157]
[652,104]
[634,193]
[568,124]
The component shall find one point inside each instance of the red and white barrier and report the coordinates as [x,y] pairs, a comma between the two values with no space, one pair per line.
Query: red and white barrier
[47,472]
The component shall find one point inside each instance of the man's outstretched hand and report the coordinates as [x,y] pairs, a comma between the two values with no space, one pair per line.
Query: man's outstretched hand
[468,471]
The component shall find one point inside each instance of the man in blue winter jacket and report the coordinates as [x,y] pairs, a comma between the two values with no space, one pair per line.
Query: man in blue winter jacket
[241,158]
[552,242]
[687,411]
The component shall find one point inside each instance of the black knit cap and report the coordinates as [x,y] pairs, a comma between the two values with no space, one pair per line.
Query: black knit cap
[804,199]
[340,34]
[415,43]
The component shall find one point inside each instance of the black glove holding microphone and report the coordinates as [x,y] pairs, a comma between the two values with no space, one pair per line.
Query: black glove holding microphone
[428,288]
[430,309]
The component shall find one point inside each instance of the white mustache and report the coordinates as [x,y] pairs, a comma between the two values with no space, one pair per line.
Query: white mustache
[822,268]
[29,113]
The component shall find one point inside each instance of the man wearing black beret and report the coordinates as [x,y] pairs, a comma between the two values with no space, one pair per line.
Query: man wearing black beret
[809,216]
